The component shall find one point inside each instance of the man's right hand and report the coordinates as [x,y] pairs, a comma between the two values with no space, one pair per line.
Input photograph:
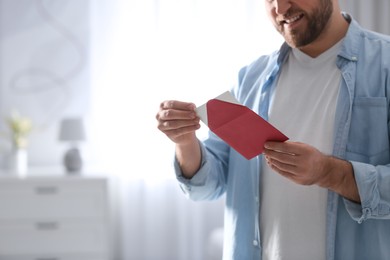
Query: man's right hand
[178,121]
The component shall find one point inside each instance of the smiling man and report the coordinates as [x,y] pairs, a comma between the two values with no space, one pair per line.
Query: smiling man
[312,26]
[325,194]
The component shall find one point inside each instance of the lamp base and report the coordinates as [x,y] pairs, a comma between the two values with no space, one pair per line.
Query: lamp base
[72,161]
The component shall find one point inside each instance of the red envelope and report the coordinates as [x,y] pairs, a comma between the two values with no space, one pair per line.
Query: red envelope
[240,127]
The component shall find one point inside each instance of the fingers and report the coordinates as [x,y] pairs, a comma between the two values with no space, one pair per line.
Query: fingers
[283,147]
[168,125]
[178,132]
[282,163]
[282,156]
[299,162]
[179,105]
[178,120]
[286,165]
[174,110]
[172,114]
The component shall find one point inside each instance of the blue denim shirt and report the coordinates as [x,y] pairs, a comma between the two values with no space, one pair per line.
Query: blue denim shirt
[354,231]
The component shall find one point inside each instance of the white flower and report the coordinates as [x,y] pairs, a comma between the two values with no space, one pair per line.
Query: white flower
[20,128]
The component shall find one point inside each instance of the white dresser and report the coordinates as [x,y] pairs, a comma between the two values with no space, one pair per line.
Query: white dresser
[54,218]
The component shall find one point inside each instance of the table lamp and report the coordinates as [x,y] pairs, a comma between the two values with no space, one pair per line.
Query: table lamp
[72,131]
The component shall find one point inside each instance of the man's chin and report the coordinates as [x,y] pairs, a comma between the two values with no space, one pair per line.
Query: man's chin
[291,41]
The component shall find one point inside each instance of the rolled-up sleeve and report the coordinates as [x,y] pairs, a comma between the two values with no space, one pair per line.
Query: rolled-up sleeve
[373,184]
[206,184]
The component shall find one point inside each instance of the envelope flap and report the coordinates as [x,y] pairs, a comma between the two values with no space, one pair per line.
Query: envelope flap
[220,112]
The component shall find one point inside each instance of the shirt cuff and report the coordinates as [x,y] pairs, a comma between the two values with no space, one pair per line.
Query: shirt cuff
[367,183]
[200,177]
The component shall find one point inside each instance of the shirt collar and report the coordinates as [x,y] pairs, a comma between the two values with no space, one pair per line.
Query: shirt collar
[350,48]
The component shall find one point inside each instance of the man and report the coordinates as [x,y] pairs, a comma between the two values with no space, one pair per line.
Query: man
[325,194]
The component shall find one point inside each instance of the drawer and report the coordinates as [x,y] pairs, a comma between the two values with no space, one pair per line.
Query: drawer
[51,198]
[53,237]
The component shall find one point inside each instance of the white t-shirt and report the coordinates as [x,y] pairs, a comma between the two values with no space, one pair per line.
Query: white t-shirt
[292,216]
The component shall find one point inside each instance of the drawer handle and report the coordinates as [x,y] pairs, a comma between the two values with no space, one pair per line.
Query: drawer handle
[47,226]
[46,190]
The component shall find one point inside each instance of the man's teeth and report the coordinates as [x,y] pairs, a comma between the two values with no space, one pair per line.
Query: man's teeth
[293,19]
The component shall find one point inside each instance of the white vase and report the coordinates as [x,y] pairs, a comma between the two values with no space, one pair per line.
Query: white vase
[19,162]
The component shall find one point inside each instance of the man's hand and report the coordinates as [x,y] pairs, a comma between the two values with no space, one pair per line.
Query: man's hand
[298,162]
[305,165]
[178,121]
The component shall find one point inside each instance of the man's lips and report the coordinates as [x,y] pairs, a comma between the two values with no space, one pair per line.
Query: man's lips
[290,19]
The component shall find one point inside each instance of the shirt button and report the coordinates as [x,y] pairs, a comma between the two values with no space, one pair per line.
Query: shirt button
[255,243]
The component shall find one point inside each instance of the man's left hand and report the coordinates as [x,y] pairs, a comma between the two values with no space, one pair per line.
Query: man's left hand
[305,165]
[299,162]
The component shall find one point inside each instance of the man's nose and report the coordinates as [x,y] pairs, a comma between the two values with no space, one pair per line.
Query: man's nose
[282,6]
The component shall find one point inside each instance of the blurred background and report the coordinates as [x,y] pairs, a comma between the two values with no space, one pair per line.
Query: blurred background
[107,65]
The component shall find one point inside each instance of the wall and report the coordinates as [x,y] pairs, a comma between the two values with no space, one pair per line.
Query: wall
[44,70]
[372,14]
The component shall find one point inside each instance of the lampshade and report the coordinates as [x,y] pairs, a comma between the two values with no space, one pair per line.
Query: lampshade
[72,129]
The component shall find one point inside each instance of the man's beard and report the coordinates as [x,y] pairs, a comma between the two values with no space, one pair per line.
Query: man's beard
[317,21]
